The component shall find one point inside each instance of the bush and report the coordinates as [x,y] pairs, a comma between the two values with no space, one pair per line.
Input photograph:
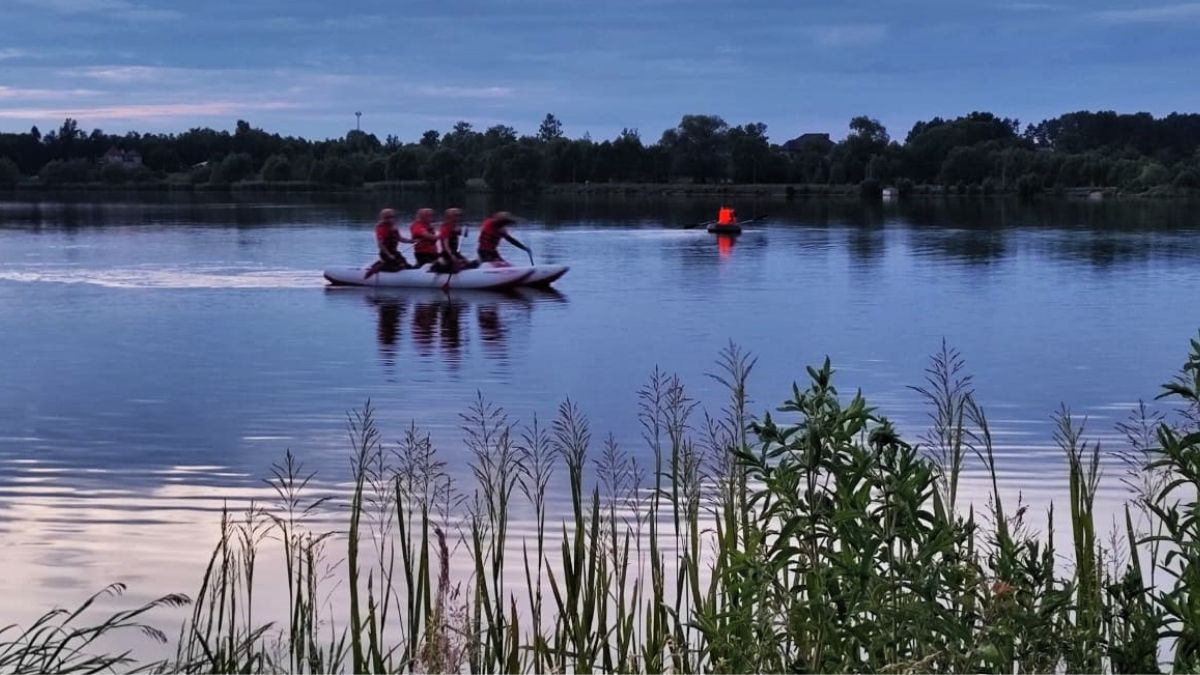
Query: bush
[63,172]
[277,168]
[904,187]
[376,171]
[9,173]
[200,174]
[1188,179]
[870,190]
[1153,174]
[235,167]
[1029,185]
[335,171]
[990,186]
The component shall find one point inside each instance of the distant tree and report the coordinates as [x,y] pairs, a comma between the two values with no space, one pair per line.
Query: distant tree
[445,168]
[276,169]
[361,141]
[869,129]
[68,171]
[1153,174]
[335,171]
[234,167]
[1029,185]
[698,147]
[37,135]
[550,130]
[749,152]
[968,165]
[404,164]
[870,190]
[9,173]
[498,135]
[430,139]
[376,170]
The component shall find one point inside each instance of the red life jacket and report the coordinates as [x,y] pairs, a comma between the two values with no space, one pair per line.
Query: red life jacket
[419,230]
[449,236]
[387,237]
[490,233]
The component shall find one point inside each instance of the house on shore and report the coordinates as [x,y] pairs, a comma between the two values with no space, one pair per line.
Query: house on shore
[812,142]
[126,158]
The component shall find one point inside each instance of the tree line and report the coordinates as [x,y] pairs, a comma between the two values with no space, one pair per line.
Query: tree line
[978,152]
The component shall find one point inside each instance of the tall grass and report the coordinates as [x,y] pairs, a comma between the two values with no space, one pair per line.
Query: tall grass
[811,538]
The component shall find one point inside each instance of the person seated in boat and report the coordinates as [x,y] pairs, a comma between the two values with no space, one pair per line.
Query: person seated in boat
[388,239]
[424,237]
[449,233]
[491,232]
[726,216]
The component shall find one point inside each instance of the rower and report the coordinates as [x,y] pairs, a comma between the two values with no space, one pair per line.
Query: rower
[425,239]
[491,232]
[388,240]
[726,216]
[448,238]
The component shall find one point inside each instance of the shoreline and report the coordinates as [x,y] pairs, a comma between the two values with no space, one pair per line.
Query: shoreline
[779,191]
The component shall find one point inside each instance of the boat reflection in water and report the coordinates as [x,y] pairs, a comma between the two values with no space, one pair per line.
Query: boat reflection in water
[725,244]
[446,327]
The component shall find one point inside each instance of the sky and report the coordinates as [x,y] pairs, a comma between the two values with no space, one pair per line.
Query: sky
[304,67]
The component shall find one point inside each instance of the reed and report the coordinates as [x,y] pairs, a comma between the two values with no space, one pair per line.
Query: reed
[810,538]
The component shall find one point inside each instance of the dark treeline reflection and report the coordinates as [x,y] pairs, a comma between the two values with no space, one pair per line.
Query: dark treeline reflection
[968,229]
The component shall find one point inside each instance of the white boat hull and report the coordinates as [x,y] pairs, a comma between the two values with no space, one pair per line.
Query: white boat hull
[539,275]
[479,278]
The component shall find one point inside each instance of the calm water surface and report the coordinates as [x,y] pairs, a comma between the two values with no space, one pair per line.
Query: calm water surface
[156,357]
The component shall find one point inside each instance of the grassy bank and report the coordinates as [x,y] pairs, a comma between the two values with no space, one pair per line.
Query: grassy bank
[813,539]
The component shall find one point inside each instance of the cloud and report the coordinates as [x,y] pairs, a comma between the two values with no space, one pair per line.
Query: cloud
[21,94]
[466,92]
[1031,7]
[6,54]
[122,9]
[849,35]
[148,111]
[124,74]
[1152,14]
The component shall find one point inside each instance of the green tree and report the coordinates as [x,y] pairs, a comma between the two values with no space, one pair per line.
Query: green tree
[749,152]
[445,168]
[234,167]
[66,171]
[277,168]
[550,129]
[376,170]
[404,164]
[698,147]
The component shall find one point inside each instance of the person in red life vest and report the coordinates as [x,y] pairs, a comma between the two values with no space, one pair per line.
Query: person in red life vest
[388,239]
[491,232]
[726,216]
[449,233]
[425,238]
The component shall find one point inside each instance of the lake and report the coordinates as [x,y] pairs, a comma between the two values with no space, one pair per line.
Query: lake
[158,354]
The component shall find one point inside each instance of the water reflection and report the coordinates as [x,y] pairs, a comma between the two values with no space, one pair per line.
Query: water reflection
[445,327]
[725,244]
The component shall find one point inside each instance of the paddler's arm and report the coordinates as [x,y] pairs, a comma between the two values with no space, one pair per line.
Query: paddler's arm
[512,240]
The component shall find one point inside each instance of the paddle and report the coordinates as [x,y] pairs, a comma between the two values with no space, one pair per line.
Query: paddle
[530,252]
[707,222]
